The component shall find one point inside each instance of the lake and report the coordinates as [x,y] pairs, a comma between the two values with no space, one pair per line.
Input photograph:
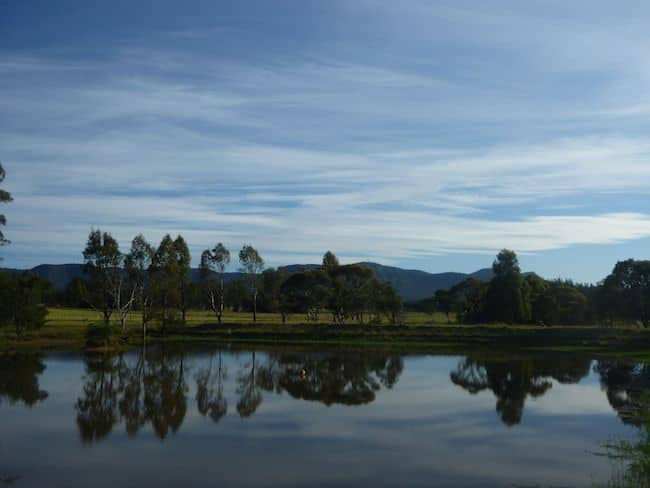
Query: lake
[172,417]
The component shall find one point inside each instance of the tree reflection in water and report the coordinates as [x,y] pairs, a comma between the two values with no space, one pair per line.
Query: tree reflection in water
[150,389]
[250,395]
[19,378]
[627,385]
[513,380]
[153,390]
[210,399]
[343,378]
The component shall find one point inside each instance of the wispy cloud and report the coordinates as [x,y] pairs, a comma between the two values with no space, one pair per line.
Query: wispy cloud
[438,129]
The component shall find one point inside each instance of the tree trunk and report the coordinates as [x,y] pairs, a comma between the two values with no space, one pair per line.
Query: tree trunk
[255,307]
[221,300]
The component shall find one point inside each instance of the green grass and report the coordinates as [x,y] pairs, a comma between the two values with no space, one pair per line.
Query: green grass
[66,330]
[71,317]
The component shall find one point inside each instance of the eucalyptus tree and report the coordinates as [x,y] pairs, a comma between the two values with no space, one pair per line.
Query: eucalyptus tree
[165,268]
[102,263]
[183,260]
[252,265]
[139,267]
[213,265]
[5,197]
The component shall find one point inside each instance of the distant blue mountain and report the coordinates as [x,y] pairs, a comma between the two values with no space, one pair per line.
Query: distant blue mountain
[412,284]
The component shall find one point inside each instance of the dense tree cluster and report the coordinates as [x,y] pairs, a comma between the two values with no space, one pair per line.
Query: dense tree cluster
[22,298]
[512,297]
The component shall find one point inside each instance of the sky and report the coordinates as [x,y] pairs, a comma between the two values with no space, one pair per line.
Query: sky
[424,135]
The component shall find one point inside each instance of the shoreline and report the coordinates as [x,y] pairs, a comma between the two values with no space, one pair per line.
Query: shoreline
[422,338]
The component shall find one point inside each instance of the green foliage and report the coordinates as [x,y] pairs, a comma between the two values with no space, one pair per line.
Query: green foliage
[5,197]
[212,268]
[21,301]
[166,273]
[99,335]
[252,265]
[102,265]
[305,292]
[183,261]
[512,298]
[330,261]
[626,292]
[508,295]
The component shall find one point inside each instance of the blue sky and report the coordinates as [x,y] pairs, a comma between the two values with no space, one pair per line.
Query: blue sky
[419,134]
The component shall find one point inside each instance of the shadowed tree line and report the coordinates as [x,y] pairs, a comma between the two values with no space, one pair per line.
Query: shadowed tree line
[516,298]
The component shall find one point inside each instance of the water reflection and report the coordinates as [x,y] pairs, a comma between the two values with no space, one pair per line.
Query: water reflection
[347,379]
[513,380]
[254,407]
[19,378]
[250,394]
[115,388]
[210,399]
[627,385]
[150,388]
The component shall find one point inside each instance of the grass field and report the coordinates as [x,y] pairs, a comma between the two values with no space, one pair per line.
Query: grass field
[66,329]
[69,317]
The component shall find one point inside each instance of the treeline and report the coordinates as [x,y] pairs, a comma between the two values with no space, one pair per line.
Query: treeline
[157,282]
[514,298]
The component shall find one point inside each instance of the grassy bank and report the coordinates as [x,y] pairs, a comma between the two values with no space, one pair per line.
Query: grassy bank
[66,330]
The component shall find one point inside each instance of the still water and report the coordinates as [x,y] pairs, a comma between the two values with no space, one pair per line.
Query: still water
[168,417]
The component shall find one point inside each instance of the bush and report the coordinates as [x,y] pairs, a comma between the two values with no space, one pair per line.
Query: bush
[99,336]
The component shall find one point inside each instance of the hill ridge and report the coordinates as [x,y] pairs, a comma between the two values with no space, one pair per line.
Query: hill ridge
[411,284]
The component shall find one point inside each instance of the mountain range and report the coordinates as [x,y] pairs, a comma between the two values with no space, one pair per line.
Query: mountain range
[411,284]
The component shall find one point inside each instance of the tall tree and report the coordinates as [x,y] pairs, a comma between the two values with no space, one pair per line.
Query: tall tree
[330,260]
[627,291]
[165,268]
[183,260]
[139,266]
[213,265]
[102,262]
[5,197]
[508,297]
[252,265]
